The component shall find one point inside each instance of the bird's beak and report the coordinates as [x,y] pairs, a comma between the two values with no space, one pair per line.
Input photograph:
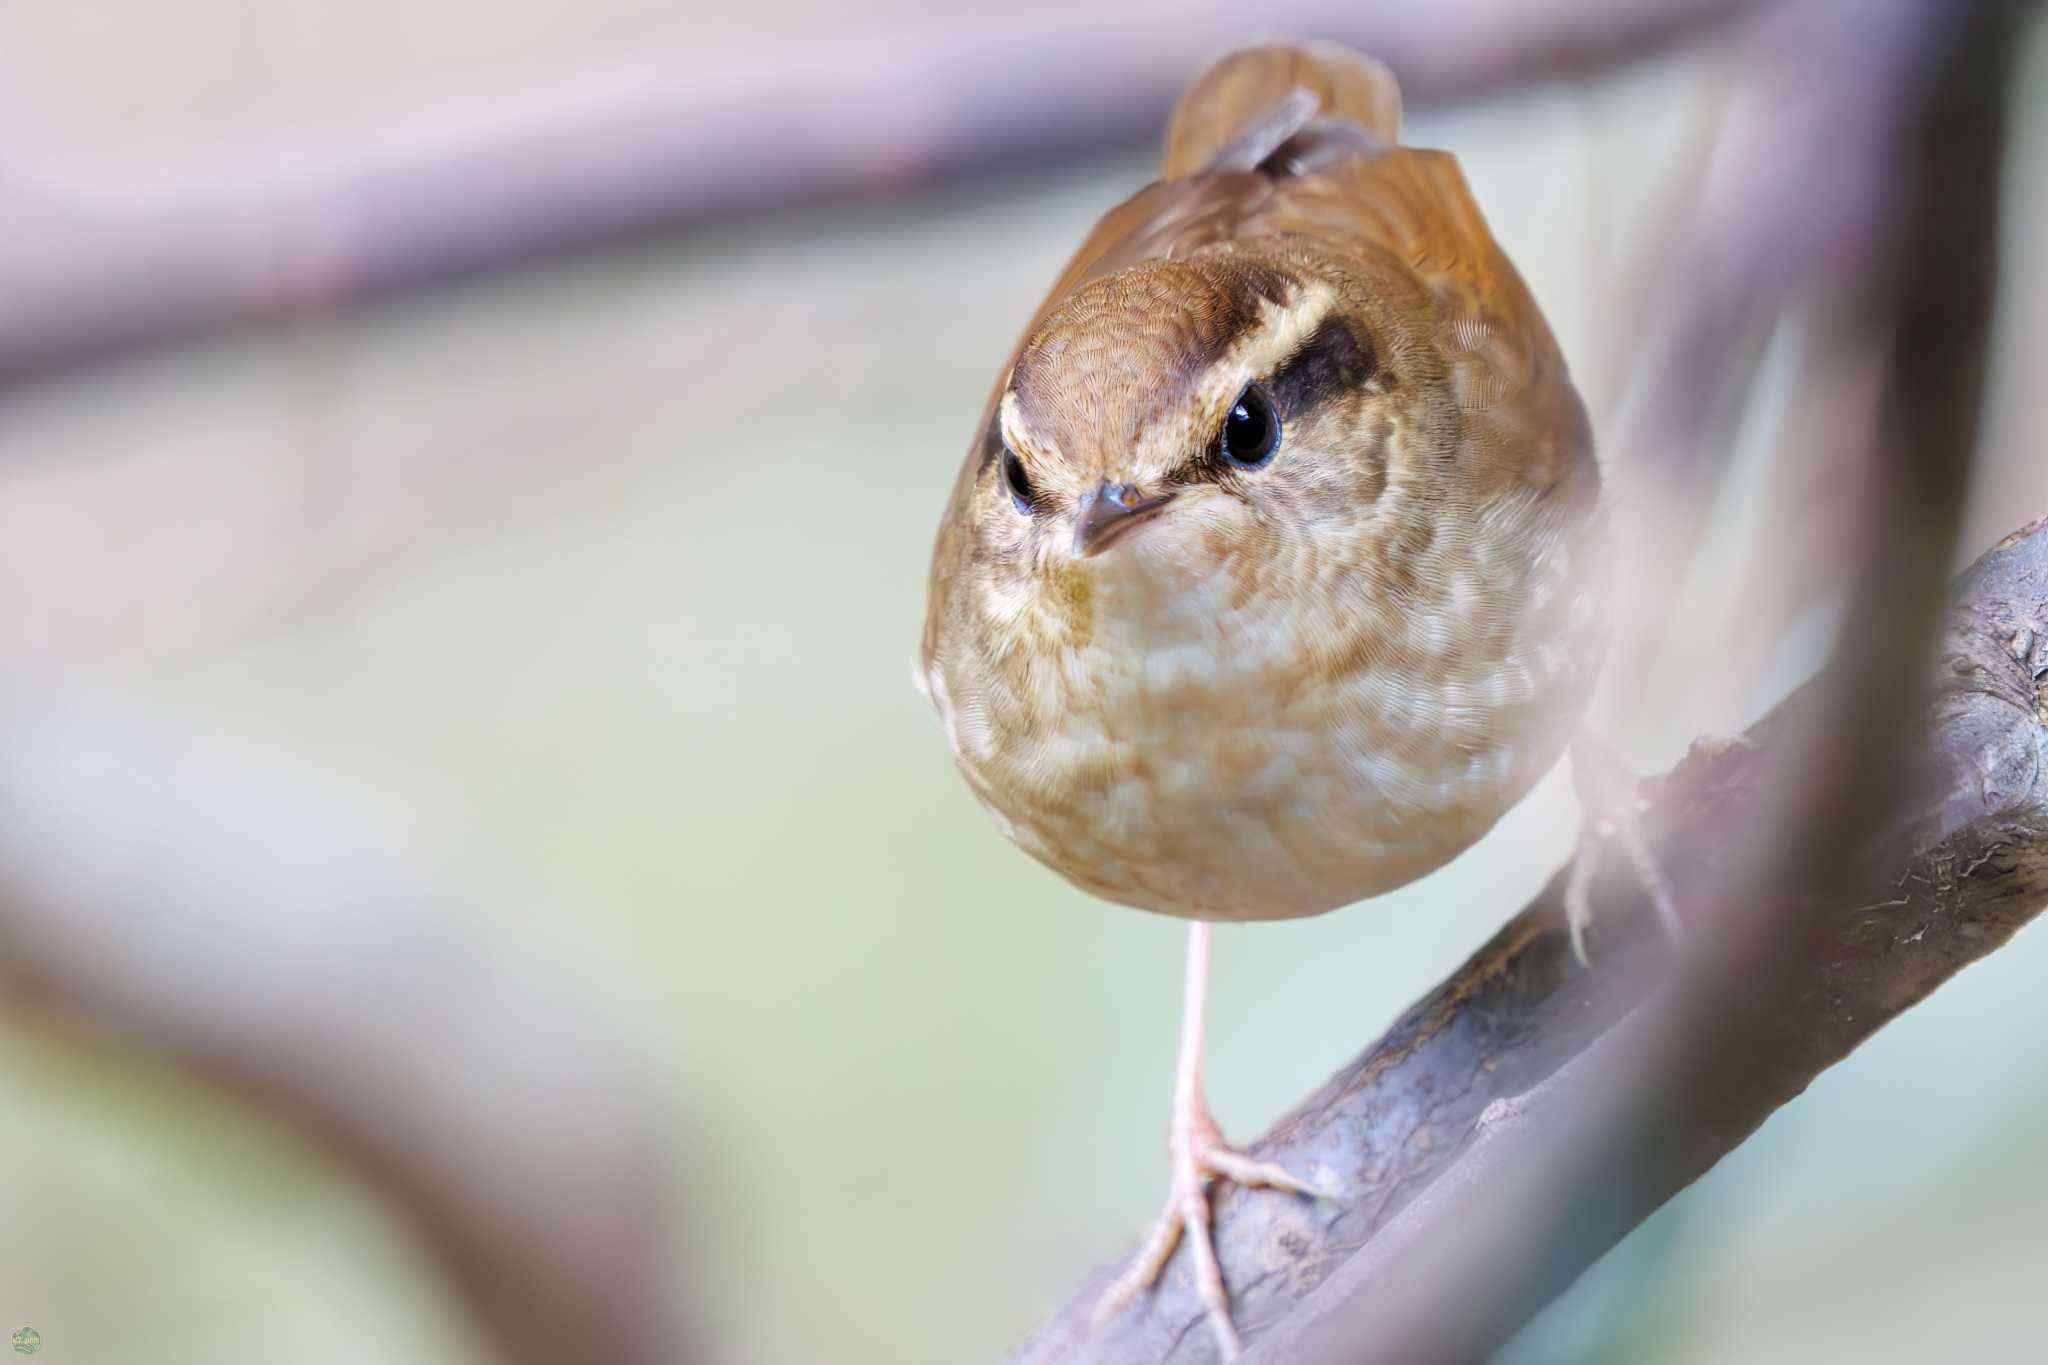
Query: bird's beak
[1111,510]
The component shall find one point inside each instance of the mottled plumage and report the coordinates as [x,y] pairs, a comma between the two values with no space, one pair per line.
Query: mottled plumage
[1315,681]
[1223,690]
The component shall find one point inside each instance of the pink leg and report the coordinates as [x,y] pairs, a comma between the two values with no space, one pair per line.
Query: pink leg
[1197,1154]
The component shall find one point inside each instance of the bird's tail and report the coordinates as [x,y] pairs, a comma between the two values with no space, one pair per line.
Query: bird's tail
[1245,107]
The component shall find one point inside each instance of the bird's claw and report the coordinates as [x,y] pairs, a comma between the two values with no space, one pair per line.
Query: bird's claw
[1200,1157]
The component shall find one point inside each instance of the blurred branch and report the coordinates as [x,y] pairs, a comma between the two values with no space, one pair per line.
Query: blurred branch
[274,231]
[1789,196]
[154,889]
[1859,846]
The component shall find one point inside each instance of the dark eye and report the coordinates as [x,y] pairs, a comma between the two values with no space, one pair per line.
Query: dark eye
[1021,491]
[1251,430]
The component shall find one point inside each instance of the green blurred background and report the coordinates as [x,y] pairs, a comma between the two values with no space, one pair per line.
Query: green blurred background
[607,575]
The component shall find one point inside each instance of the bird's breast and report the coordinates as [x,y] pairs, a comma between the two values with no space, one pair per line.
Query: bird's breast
[1277,738]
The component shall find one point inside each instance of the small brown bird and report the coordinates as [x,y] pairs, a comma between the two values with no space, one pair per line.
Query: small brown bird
[1274,575]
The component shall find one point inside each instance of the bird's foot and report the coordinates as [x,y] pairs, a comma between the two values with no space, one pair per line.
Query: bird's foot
[1613,814]
[1199,1156]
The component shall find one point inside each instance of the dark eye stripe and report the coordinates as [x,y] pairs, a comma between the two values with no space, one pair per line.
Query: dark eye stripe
[1332,361]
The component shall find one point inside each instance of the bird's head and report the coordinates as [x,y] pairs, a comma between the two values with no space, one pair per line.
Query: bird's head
[1227,417]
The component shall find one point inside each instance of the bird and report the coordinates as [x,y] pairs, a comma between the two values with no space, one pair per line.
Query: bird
[1278,567]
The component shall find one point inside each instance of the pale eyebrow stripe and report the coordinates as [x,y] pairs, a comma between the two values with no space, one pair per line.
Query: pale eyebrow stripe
[1284,330]
[1288,329]
[1010,426]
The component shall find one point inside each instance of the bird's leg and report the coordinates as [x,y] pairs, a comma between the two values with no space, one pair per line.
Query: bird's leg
[1197,1155]
[1612,810]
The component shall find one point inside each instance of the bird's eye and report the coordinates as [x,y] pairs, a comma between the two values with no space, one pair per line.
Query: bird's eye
[1251,430]
[1021,492]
